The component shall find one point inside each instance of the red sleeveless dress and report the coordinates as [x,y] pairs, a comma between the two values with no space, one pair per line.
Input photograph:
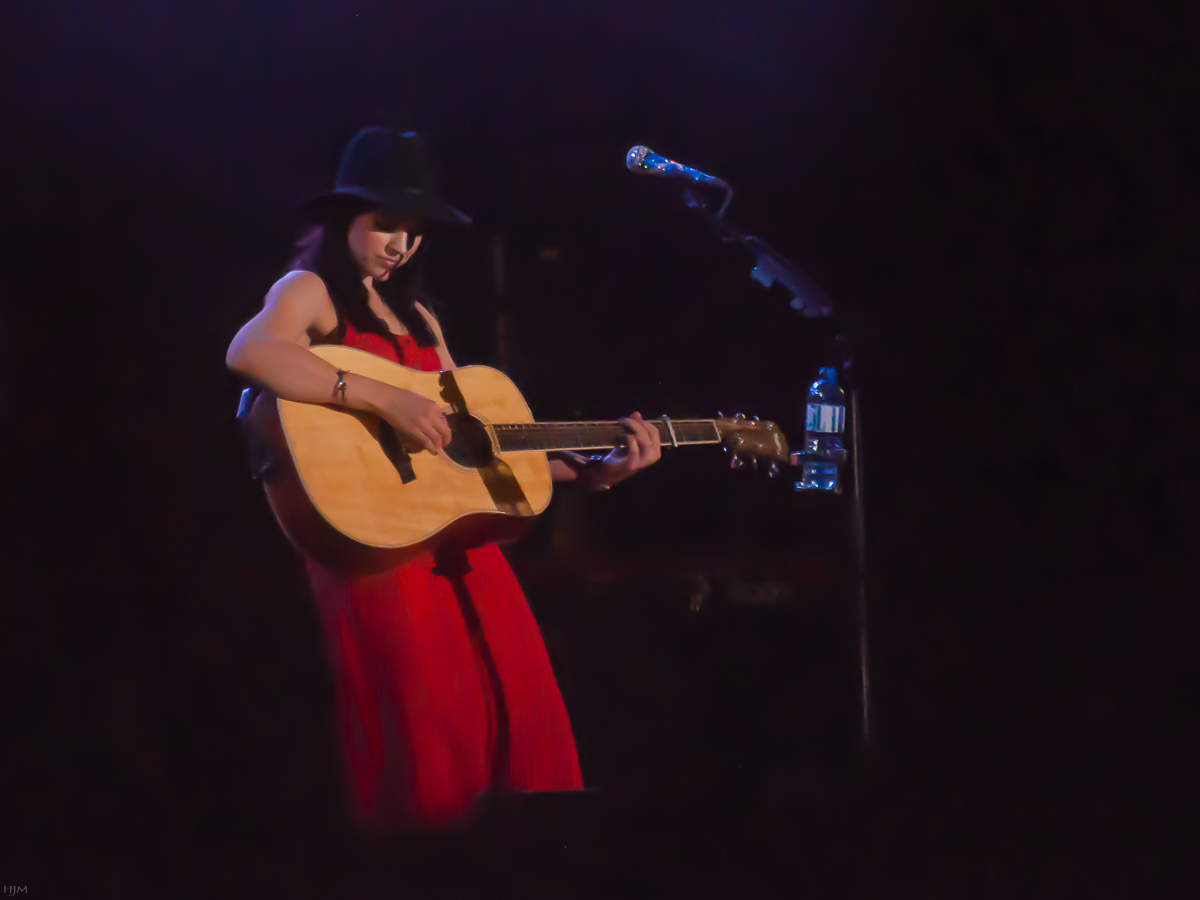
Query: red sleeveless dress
[443,686]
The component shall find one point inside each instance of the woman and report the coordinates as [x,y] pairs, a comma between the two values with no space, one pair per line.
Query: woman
[443,685]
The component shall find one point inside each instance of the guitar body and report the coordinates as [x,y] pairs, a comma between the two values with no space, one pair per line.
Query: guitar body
[348,495]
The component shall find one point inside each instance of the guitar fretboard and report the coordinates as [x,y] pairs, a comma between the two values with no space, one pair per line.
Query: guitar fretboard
[598,435]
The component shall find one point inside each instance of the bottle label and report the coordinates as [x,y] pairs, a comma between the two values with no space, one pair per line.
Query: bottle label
[826,418]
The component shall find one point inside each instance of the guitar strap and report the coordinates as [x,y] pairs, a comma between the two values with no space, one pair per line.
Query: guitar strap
[265,463]
[450,562]
[497,475]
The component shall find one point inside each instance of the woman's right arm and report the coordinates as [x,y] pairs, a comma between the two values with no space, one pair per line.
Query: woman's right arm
[271,350]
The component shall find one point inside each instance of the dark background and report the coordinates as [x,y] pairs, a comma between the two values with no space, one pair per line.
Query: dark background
[998,197]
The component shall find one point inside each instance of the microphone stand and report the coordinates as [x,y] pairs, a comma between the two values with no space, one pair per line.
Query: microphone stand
[771,267]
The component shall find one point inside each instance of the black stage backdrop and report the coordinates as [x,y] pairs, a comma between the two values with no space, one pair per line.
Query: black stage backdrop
[996,197]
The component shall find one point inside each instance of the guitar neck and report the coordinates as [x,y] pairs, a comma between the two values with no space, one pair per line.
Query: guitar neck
[600,435]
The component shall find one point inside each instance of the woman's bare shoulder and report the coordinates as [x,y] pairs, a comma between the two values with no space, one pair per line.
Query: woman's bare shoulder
[300,284]
[303,294]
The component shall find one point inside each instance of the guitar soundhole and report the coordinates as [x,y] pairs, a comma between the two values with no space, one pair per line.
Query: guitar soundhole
[470,445]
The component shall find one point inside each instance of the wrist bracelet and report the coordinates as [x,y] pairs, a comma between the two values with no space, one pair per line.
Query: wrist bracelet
[596,463]
[340,387]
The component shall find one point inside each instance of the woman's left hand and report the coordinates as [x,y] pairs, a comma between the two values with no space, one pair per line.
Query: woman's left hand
[643,447]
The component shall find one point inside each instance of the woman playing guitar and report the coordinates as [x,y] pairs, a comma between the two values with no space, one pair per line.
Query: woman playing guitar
[443,686]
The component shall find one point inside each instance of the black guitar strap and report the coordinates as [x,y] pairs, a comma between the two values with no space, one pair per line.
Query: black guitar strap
[265,463]
[498,477]
[450,561]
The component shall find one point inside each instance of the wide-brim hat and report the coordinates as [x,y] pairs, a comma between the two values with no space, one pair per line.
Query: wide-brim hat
[391,170]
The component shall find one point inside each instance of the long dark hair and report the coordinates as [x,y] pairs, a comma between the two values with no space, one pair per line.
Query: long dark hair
[325,252]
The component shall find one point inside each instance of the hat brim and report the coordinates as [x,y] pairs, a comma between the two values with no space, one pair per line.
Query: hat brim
[418,204]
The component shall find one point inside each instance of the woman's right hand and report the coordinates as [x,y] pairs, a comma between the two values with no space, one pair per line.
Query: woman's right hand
[418,419]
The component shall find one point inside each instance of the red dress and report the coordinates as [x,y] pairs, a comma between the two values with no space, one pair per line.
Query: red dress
[443,686]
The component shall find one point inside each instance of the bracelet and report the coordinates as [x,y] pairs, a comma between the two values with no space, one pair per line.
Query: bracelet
[596,463]
[340,387]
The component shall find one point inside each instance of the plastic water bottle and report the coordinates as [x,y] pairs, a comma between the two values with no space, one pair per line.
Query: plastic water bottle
[824,422]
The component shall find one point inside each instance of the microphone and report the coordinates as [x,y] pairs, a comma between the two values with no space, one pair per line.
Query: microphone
[642,159]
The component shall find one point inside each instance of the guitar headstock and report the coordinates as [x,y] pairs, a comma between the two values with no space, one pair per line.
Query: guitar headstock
[752,439]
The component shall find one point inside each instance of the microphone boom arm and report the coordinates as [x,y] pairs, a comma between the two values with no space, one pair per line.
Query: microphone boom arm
[771,267]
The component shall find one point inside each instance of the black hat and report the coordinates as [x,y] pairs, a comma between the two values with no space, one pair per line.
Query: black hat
[390,170]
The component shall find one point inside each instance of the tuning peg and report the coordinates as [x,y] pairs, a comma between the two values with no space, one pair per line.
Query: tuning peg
[738,417]
[720,415]
[736,462]
[754,419]
[754,463]
[772,470]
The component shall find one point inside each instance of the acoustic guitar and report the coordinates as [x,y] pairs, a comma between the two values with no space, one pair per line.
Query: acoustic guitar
[348,492]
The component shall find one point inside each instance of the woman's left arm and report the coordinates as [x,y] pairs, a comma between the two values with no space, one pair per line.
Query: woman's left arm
[564,465]
[642,443]
[567,466]
[643,447]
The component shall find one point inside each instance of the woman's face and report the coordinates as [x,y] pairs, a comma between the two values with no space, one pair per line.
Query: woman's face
[381,243]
